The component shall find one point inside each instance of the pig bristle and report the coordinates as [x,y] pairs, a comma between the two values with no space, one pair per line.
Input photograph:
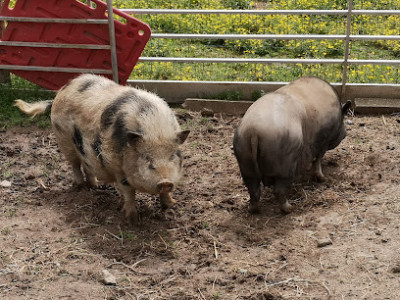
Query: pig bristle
[120,133]
[97,148]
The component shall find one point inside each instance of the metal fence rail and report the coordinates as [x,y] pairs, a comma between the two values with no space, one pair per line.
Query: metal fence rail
[176,91]
[189,89]
[258,12]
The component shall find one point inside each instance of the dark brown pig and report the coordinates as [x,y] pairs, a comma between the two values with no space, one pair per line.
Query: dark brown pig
[116,134]
[283,132]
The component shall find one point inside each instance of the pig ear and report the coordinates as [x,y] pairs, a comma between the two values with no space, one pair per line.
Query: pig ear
[182,135]
[346,107]
[133,137]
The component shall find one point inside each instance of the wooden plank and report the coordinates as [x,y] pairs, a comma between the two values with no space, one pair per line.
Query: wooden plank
[362,105]
[376,105]
[217,106]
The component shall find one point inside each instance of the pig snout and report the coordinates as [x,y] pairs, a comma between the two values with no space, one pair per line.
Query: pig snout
[165,186]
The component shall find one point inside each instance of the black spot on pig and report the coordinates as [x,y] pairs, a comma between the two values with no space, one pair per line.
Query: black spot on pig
[96,146]
[143,107]
[120,133]
[78,140]
[112,109]
[85,86]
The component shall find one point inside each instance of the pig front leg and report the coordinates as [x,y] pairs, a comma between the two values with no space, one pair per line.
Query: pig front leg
[166,200]
[78,176]
[91,180]
[129,208]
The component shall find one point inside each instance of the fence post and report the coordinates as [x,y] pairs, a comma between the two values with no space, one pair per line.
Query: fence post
[346,51]
[4,74]
[114,61]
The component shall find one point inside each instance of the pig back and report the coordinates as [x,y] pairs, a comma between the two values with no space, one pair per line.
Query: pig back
[323,121]
[96,104]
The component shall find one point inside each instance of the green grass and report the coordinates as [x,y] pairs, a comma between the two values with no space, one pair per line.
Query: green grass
[20,89]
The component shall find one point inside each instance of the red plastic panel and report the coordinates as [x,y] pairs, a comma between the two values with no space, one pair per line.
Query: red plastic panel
[131,37]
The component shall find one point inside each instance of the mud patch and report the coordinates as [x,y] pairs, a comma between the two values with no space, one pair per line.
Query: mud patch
[55,241]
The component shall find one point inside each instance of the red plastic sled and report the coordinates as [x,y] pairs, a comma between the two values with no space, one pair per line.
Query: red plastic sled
[131,39]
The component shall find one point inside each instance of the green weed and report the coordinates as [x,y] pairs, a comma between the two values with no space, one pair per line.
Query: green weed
[7,174]
[127,236]
[5,231]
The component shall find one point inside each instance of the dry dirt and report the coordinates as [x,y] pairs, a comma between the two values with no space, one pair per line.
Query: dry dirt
[341,242]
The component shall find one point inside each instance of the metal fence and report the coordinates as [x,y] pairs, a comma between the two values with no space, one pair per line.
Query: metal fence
[178,90]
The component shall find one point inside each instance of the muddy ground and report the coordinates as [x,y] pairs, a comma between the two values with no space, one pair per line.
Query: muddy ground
[341,242]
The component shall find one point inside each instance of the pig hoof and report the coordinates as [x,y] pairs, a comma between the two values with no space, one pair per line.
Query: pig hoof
[169,214]
[92,185]
[132,219]
[168,204]
[79,186]
[286,208]
[320,178]
[131,215]
[254,209]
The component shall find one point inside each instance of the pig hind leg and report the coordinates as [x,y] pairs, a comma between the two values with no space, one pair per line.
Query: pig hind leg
[254,188]
[251,179]
[280,174]
[75,162]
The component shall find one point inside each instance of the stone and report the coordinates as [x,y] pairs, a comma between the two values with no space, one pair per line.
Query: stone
[108,278]
[324,242]
[5,183]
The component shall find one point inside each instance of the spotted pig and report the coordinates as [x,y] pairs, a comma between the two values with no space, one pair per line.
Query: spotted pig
[283,132]
[116,134]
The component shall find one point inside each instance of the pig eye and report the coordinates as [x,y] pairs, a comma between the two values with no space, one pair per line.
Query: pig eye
[175,155]
[150,161]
